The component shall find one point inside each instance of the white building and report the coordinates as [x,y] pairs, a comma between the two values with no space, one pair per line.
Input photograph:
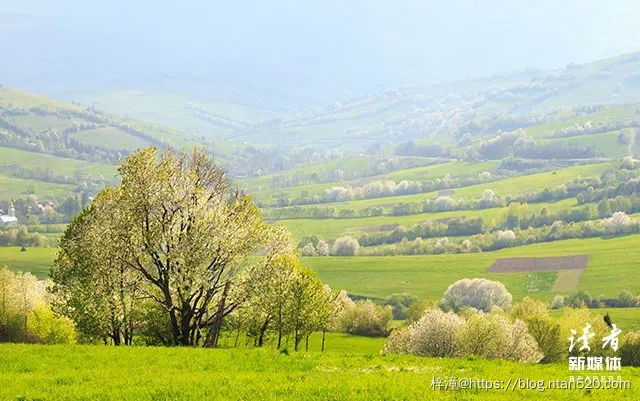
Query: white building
[9,220]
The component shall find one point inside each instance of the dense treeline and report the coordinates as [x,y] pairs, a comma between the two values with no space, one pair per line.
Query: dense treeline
[515,216]
[582,299]
[20,236]
[31,211]
[518,144]
[618,224]
[385,188]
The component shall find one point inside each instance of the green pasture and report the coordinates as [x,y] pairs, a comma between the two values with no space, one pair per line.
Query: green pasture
[510,186]
[626,319]
[614,266]
[605,143]
[615,114]
[11,187]
[429,172]
[20,99]
[34,260]
[66,373]
[334,228]
[111,137]
[59,165]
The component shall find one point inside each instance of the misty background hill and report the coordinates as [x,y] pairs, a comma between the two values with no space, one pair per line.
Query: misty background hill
[283,55]
[268,86]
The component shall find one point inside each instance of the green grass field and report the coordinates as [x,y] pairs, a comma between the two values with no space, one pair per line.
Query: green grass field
[614,265]
[429,172]
[34,260]
[615,114]
[59,165]
[627,319]
[111,137]
[11,187]
[606,143]
[361,165]
[333,228]
[65,373]
[510,186]
[17,98]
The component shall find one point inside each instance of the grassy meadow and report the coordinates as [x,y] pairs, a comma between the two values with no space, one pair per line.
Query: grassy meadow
[333,228]
[60,165]
[612,267]
[509,186]
[65,373]
[34,260]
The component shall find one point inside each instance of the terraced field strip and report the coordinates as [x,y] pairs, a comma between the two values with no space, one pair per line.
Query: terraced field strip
[569,269]
[512,265]
[509,186]
[567,280]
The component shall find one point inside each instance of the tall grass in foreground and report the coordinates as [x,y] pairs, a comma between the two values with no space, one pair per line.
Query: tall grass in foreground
[30,372]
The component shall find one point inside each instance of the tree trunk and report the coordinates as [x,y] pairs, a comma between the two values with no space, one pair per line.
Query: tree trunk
[279,336]
[235,345]
[213,333]
[175,328]
[306,345]
[263,329]
[279,325]
[115,336]
[323,333]
[185,324]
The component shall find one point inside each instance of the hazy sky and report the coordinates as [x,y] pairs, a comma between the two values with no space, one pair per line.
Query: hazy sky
[320,49]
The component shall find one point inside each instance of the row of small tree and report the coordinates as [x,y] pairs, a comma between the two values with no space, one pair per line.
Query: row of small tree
[618,224]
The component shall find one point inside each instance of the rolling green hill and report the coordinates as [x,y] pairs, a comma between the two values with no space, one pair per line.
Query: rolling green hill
[443,113]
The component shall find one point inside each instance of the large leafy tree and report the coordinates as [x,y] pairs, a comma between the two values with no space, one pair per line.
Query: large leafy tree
[191,243]
[93,284]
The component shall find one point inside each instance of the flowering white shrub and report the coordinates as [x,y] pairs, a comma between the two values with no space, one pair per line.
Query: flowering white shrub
[485,175]
[494,336]
[338,194]
[441,245]
[521,346]
[558,302]
[322,248]
[346,246]
[478,293]
[439,334]
[435,334]
[308,250]
[505,238]
[488,195]
[398,341]
[443,203]
[365,318]
[619,222]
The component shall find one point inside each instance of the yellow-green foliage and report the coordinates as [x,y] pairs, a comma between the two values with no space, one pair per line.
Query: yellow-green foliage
[630,349]
[25,314]
[49,328]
